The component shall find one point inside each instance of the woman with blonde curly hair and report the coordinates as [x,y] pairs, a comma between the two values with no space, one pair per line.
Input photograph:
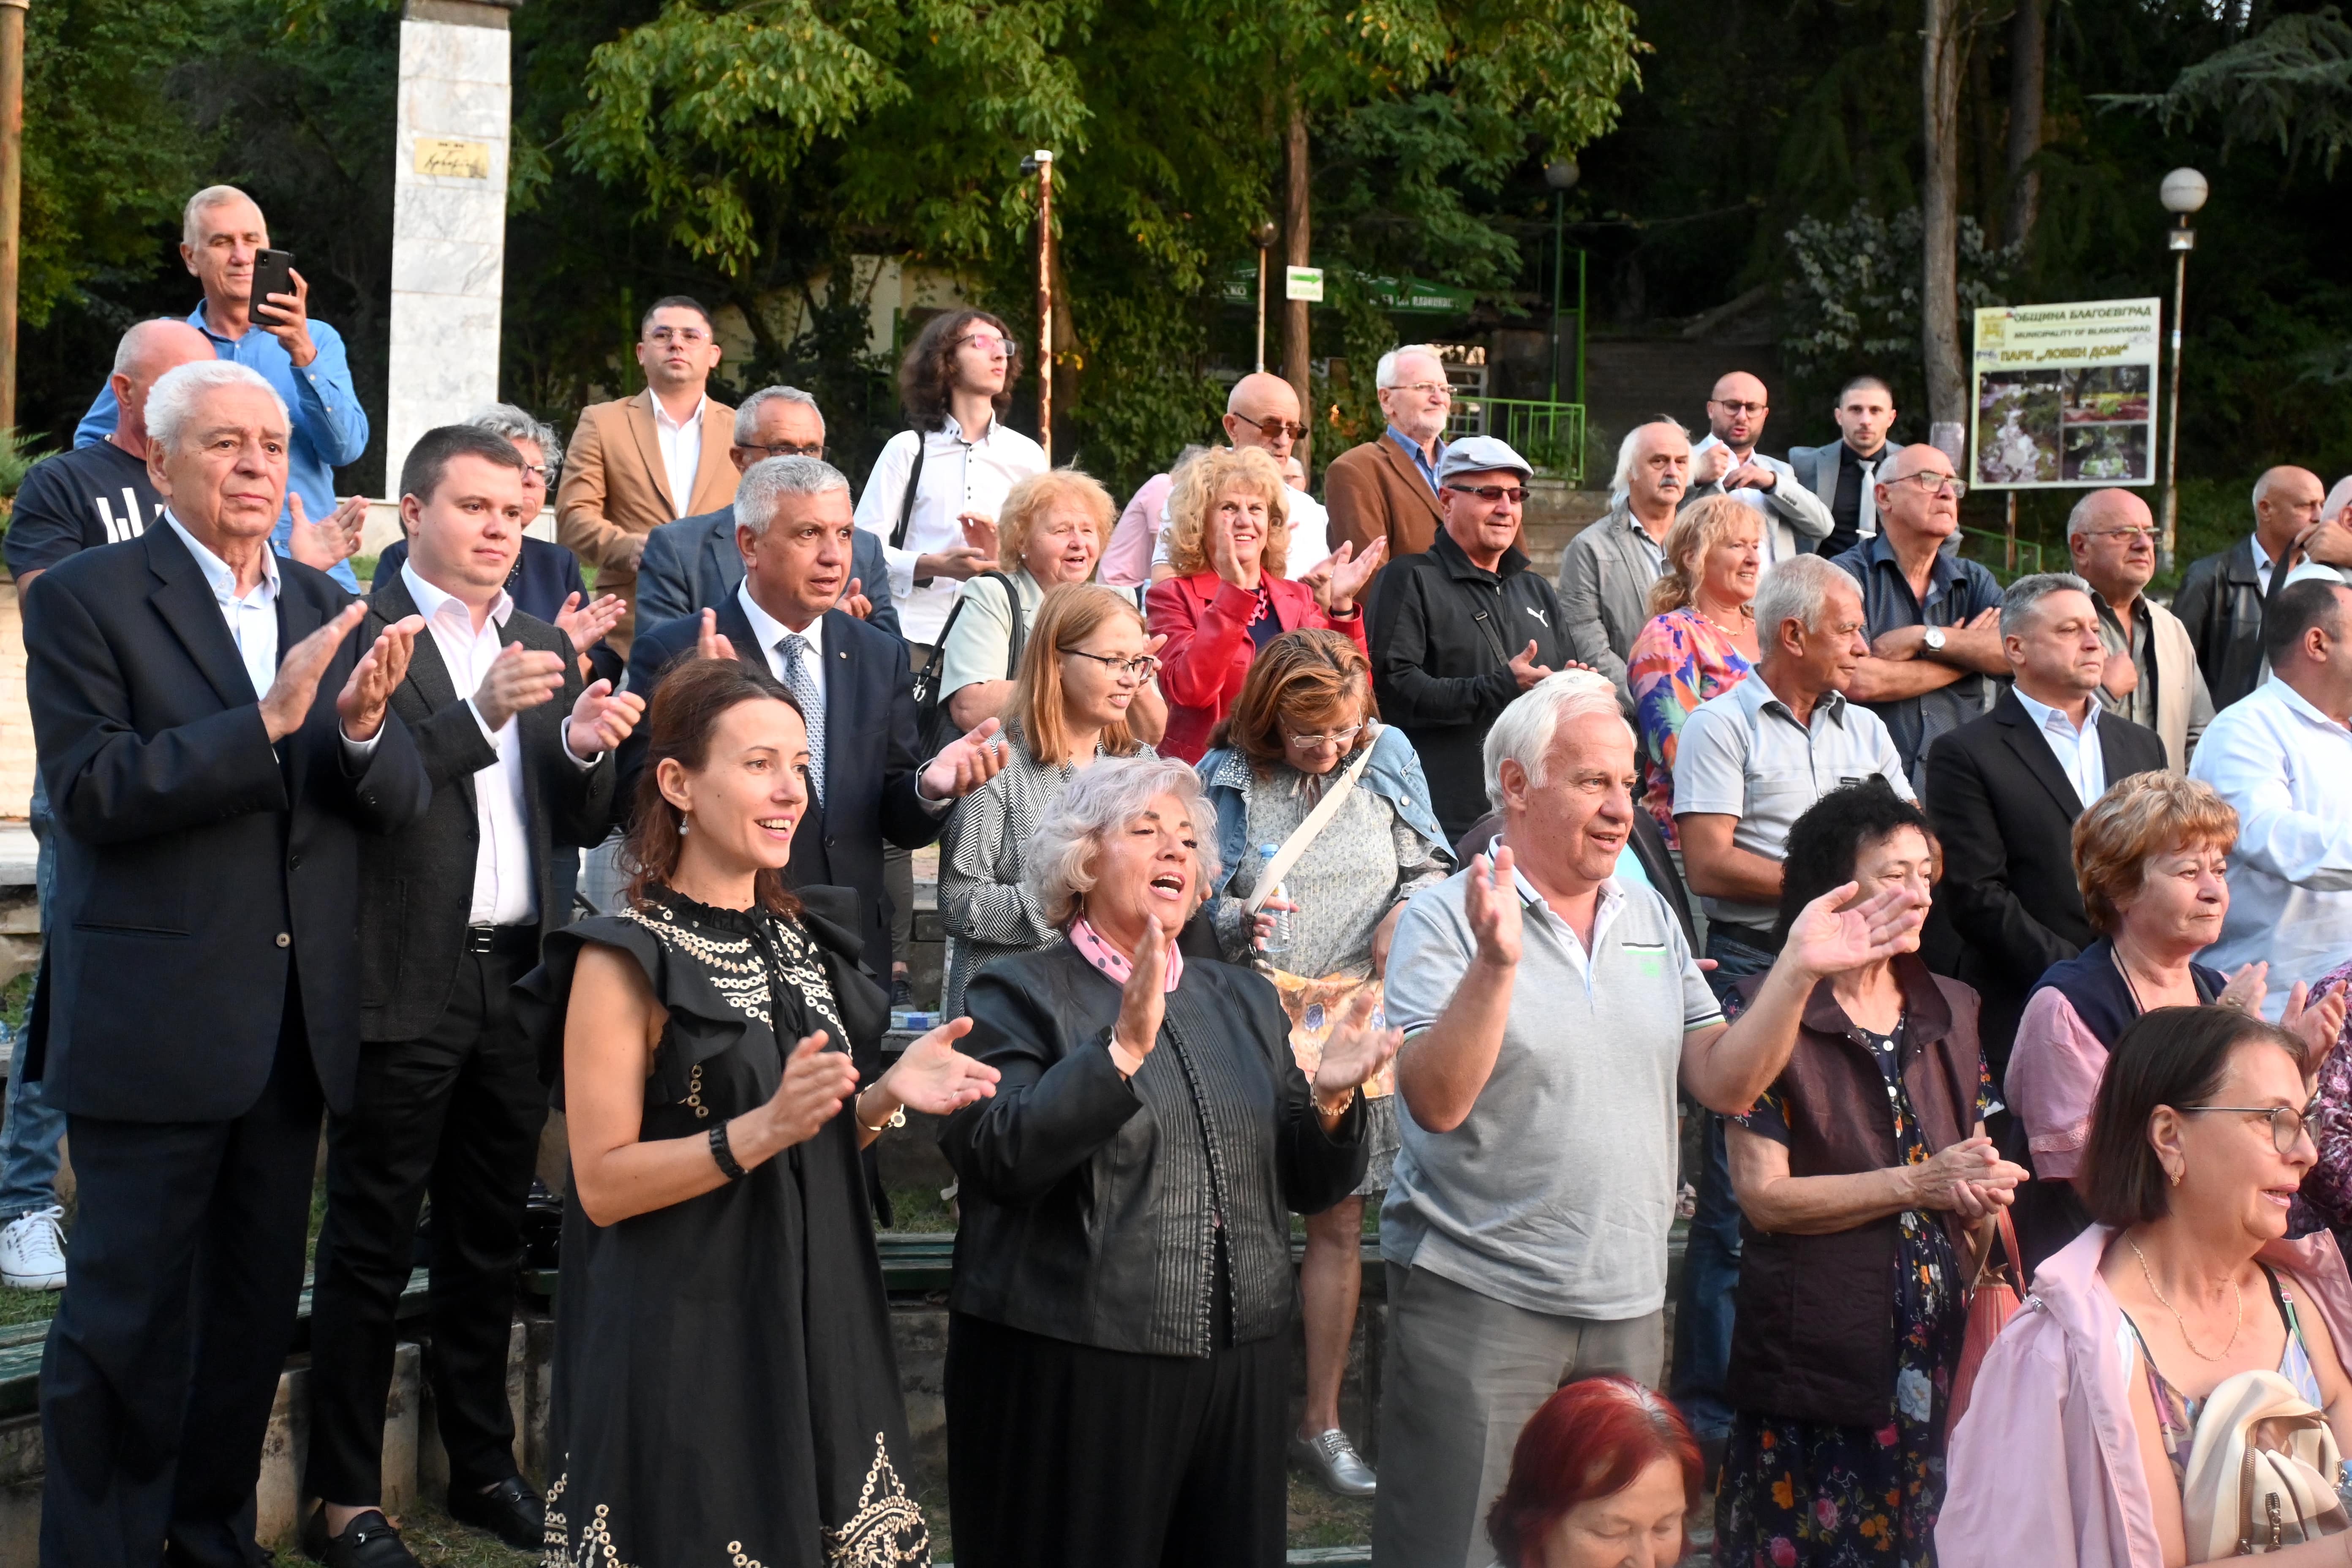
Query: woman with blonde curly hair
[1229,540]
[2152,857]
[1701,639]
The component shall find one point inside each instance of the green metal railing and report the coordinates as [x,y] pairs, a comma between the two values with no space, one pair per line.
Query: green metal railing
[1549,435]
[1996,554]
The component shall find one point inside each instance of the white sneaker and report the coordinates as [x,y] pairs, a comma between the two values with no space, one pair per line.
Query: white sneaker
[33,1251]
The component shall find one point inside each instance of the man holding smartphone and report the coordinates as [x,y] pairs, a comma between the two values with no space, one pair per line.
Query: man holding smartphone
[223,238]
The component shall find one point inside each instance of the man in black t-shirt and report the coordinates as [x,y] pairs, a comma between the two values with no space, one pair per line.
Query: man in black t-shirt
[99,494]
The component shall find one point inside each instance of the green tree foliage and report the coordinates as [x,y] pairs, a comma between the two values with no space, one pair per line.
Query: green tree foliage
[2290,84]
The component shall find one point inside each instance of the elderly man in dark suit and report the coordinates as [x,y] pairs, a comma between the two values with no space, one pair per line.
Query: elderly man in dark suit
[449,1097]
[216,746]
[854,684]
[692,564]
[2004,789]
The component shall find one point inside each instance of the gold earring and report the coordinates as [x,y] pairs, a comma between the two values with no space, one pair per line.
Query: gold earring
[2172,1176]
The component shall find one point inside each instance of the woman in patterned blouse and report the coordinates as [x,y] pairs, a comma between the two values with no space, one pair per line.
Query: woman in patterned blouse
[1087,662]
[1702,640]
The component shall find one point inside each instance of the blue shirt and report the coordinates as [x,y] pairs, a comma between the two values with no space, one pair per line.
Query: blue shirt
[331,428]
[1413,449]
[1958,591]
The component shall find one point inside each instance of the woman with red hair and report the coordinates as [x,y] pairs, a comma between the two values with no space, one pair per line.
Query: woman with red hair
[1603,1476]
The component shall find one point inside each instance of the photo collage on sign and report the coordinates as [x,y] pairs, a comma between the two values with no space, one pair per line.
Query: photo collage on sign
[2105,420]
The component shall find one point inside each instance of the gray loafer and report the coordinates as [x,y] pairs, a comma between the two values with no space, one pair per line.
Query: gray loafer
[1334,1463]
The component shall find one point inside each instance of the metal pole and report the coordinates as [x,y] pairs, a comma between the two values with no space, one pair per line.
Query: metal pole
[11,168]
[2009,536]
[2172,419]
[1580,308]
[1559,264]
[1045,303]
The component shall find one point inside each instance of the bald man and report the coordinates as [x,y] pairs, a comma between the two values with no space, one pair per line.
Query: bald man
[2152,676]
[1262,411]
[2221,599]
[1727,463]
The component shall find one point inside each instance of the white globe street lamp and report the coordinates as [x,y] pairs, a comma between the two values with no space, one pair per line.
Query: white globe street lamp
[2183,192]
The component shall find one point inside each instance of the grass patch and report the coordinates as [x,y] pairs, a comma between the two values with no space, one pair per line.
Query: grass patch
[920,1208]
[17,1001]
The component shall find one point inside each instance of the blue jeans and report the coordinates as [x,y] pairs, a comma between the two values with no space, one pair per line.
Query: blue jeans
[30,1130]
[1703,1316]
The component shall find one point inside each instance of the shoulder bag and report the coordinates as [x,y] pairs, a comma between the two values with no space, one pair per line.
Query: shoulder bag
[2264,1473]
[935,727]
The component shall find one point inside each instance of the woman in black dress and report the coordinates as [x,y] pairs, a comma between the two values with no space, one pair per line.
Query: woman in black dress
[725,1390]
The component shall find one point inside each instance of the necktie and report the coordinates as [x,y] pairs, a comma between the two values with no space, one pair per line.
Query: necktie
[801,681]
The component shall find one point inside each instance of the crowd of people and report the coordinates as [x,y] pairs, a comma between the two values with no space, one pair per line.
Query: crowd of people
[1293,856]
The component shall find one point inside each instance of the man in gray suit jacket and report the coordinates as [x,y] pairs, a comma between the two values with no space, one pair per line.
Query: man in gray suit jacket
[449,1097]
[693,564]
[1844,474]
[1607,570]
[1727,463]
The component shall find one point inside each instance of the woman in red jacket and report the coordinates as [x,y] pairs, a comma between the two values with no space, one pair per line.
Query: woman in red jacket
[1229,531]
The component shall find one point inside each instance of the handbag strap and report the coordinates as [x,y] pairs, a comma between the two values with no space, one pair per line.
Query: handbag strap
[907,501]
[1305,833]
[2012,1271]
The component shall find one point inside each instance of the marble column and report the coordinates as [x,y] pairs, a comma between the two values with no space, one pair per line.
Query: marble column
[448,219]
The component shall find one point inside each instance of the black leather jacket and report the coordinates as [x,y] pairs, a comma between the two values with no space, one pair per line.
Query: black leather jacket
[2220,604]
[1091,1202]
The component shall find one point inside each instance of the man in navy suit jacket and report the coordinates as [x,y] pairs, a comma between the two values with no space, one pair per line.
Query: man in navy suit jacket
[853,682]
[693,563]
[215,744]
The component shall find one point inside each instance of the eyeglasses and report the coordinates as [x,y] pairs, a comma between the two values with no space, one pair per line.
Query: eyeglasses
[1141,667]
[1275,429]
[784,448]
[1343,738]
[2122,533]
[2286,1121]
[1933,484]
[991,345]
[1737,407]
[538,471]
[1426,389]
[689,336]
[1514,494]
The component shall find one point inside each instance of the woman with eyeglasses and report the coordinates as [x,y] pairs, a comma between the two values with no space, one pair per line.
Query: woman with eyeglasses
[1701,639]
[1087,663]
[1228,517]
[1304,717]
[1051,532]
[2083,1426]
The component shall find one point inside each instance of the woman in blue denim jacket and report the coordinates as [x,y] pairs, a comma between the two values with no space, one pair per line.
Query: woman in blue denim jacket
[1303,719]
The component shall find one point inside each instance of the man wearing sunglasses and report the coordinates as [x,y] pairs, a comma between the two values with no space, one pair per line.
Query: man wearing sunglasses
[1461,630]
[1932,618]
[2152,679]
[1262,411]
[1727,463]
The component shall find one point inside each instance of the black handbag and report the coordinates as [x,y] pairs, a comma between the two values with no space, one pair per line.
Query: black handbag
[935,727]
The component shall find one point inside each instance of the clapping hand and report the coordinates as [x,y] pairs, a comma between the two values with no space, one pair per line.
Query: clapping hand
[360,704]
[2247,989]
[2318,1024]
[1526,671]
[1490,902]
[330,542]
[1969,1178]
[603,718]
[1826,940]
[1355,1051]
[931,1075]
[713,643]
[296,685]
[519,678]
[854,599]
[1337,591]
[979,534]
[814,1084]
[966,762]
[586,624]
[1143,1000]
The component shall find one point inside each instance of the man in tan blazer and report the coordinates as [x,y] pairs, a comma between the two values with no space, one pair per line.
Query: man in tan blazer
[643,461]
[2153,677]
[1387,488]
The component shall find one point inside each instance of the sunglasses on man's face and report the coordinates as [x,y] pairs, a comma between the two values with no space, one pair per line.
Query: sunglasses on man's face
[1275,429]
[1514,494]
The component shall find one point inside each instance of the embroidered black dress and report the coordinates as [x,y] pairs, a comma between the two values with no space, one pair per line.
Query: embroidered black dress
[725,1390]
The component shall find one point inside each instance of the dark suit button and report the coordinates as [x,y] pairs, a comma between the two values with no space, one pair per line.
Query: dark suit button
[829,843]
[294,862]
[284,940]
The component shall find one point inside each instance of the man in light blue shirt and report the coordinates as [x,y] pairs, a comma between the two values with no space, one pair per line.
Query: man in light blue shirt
[1414,394]
[302,360]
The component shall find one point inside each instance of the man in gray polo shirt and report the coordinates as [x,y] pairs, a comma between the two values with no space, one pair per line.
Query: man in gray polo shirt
[1749,763]
[1550,1011]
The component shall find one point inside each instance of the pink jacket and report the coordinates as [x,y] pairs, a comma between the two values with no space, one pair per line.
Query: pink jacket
[2045,1469]
[1127,557]
[2053,1076]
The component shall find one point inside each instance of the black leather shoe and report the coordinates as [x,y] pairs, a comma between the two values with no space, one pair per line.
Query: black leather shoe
[368,1541]
[510,1511]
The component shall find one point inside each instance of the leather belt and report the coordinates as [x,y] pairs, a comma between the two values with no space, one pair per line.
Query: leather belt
[501,939]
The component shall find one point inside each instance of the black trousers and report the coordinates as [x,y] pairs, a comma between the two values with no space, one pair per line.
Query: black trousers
[456,1113]
[1062,1453]
[181,1294]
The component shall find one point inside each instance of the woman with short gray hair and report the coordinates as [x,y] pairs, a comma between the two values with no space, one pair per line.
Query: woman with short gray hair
[1118,1358]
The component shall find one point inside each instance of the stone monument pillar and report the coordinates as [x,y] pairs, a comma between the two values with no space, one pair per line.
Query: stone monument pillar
[449,219]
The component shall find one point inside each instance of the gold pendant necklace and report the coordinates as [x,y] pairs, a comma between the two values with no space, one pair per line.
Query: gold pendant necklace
[2150,1278]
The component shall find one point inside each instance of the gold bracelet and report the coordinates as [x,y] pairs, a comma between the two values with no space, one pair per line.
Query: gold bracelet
[1345,1100]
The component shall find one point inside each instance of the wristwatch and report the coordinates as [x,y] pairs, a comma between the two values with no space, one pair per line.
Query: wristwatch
[1934,639]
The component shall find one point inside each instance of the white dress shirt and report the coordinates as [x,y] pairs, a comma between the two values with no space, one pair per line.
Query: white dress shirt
[772,634]
[2077,748]
[681,450]
[252,618]
[958,475]
[505,893]
[2283,764]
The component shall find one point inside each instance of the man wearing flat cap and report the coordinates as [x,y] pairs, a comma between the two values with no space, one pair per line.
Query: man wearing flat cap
[1460,630]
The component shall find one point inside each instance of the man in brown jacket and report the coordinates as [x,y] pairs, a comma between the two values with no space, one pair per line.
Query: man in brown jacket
[2153,677]
[643,461]
[1387,488]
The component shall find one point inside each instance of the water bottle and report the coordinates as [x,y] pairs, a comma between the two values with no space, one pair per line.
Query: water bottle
[1276,943]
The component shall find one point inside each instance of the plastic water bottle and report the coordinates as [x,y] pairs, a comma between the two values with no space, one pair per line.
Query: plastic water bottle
[1276,943]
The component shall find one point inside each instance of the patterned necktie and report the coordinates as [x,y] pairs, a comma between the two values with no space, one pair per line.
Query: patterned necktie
[801,681]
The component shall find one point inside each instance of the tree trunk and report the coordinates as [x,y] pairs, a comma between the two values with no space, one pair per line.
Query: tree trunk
[2029,44]
[1943,57]
[1297,248]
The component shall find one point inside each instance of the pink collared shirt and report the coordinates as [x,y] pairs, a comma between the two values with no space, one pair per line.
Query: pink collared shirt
[1116,965]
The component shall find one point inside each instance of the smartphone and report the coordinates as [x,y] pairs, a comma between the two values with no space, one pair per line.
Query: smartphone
[273,273]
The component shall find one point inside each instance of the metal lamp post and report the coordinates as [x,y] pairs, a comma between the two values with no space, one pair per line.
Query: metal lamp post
[2182,193]
[1561,175]
[1041,163]
[1265,235]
